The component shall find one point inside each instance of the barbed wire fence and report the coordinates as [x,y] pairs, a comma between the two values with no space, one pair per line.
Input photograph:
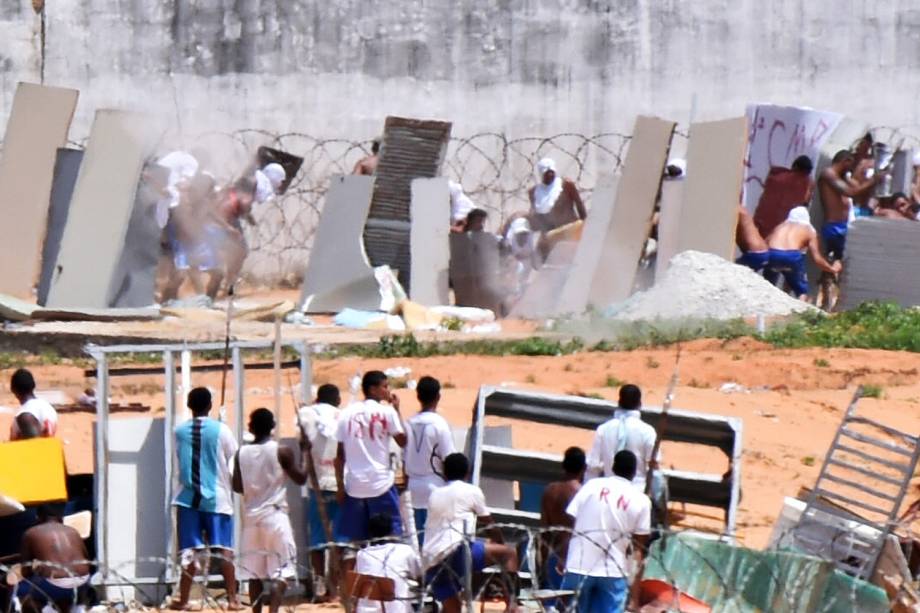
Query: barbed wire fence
[730,585]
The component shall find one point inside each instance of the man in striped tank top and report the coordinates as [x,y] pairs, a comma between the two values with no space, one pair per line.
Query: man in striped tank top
[268,554]
[204,506]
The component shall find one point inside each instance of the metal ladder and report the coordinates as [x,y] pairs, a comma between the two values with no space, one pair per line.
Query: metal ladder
[835,524]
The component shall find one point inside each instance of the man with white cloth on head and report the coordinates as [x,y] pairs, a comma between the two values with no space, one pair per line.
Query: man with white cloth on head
[460,206]
[554,201]
[788,243]
[268,182]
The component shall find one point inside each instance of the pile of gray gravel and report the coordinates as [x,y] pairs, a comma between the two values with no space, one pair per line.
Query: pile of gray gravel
[704,286]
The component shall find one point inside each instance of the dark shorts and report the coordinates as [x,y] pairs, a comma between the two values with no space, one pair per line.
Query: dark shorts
[834,234]
[421,518]
[448,578]
[351,525]
[39,589]
[790,264]
[200,529]
[317,533]
[754,261]
[598,594]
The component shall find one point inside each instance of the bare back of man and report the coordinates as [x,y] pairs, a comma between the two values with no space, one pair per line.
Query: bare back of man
[786,244]
[747,236]
[58,545]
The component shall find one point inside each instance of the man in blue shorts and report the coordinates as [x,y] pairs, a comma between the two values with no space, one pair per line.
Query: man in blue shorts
[204,505]
[788,243]
[452,513]
[837,190]
[363,465]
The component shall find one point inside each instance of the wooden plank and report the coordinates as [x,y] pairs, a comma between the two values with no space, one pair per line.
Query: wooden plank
[429,241]
[631,222]
[100,209]
[715,169]
[37,127]
[672,195]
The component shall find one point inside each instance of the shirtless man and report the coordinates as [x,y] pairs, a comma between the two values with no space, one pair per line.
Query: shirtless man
[368,165]
[896,207]
[556,498]
[787,244]
[54,563]
[755,252]
[836,192]
[554,201]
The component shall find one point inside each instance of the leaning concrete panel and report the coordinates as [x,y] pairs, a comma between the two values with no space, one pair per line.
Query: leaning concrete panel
[134,283]
[573,296]
[672,194]
[429,241]
[474,270]
[715,171]
[411,149]
[881,263]
[631,221]
[338,274]
[38,125]
[101,207]
[66,168]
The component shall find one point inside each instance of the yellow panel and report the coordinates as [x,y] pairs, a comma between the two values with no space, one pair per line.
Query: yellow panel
[33,470]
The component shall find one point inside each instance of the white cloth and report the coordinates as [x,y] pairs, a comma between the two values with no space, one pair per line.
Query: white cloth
[608,512]
[545,196]
[42,411]
[263,480]
[320,421]
[365,429]
[916,159]
[800,215]
[275,174]
[625,431]
[396,561]
[430,441]
[460,204]
[264,189]
[182,166]
[267,548]
[452,513]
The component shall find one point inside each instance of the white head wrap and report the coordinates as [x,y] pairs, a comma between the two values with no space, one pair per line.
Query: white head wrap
[917,158]
[460,204]
[801,216]
[264,189]
[182,166]
[545,196]
[276,174]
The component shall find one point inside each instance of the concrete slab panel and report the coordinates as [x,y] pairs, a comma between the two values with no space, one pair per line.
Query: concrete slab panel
[338,274]
[631,220]
[66,168]
[881,263]
[672,194]
[474,270]
[546,284]
[573,295]
[100,210]
[429,241]
[411,149]
[37,127]
[134,282]
[715,172]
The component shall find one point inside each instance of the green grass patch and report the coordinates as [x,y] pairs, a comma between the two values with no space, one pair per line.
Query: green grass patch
[873,391]
[872,325]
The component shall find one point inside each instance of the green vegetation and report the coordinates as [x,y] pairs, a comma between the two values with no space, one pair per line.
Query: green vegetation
[872,325]
[808,460]
[822,363]
[651,362]
[612,381]
[873,391]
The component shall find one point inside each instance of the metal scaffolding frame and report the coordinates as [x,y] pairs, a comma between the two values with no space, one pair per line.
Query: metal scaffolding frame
[102,448]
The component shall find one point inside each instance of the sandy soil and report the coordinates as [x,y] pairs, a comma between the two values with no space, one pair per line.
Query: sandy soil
[794,405]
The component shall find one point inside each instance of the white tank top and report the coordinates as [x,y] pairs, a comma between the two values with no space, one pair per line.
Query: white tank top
[263,480]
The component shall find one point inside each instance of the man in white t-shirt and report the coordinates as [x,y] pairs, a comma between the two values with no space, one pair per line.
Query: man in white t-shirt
[453,511]
[390,559]
[320,421]
[35,417]
[430,441]
[268,552]
[610,515]
[363,467]
[625,431]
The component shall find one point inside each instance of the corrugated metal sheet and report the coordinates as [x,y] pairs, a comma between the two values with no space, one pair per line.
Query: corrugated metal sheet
[882,263]
[411,149]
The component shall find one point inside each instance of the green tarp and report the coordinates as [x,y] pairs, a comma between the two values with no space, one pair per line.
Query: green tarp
[735,579]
